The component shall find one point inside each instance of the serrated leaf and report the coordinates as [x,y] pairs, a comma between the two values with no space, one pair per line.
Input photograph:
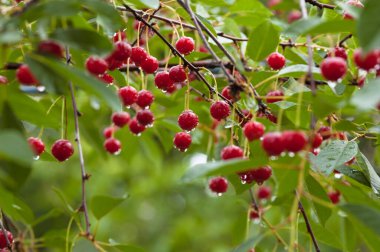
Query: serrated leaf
[102,205]
[262,41]
[333,155]
[369,172]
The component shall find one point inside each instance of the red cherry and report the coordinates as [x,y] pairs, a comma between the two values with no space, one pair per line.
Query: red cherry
[37,145]
[264,192]
[227,93]
[138,55]
[96,65]
[203,49]
[25,76]
[340,135]
[294,141]
[145,117]
[119,36]
[144,98]
[253,130]
[106,78]
[351,161]
[51,48]
[316,140]
[338,52]
[368,61]
[276,61]
[122,51]
[112,145]
[188,120]
[185,45]
[333,68]
[361,81]
[177,74]
[273,143]
[355,3]
[113,63]
[218,185]
[325,132]
[135,127]
[334,197]
[137,25]
[149,65]
[247,117]
[128,95]
[253,215]
[272,3]
[272,96]
[62,150]
[171,89]
[220,110]
[378,72]
[294,15]
[182,141]
[120,119]
[261,174]
[231,152]
[3,80]
[109,131]
[162,80]
[3,240]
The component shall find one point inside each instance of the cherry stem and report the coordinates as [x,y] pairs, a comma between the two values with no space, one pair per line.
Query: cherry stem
[320,5]
[85,176]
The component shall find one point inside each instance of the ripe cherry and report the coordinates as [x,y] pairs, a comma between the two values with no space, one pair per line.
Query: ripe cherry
[162,80]
[37,145]
[138,55]
[185,45]
[135,127]
[96,65]
[338,52]
[274,96]
[253,215]
[122,51]
[145,117]
[120,119]
[182,141]
[231,152]
[294,15]
[220,110]
[294,141]
[218,185]
[3,80]
[177,74]
[51,48]
[325,132]
[144,98]
[261,174]
[334,197]
[3,240]
[106,78]
[273,143]
[355,3]
[316,140]
[25,76]
[149,65]
[119,36]
[253,130]
[333,68]
[113,63]
[272,3]
[188,120]
[109,131]
[276,60]
[128,95]
[227,93]
[112,145]
[264,192]
[368,61]
[62,150]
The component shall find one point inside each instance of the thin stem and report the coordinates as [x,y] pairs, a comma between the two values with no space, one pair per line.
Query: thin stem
[308,226]
[320,5]
[85,176]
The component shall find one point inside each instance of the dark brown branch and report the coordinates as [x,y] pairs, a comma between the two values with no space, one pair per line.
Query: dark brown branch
[344,40]
[308,226]
[320,5]
[84,175]
[142,28]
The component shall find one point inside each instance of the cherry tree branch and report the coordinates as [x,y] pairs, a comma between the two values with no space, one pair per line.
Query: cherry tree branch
[320,5]
[308,226]
[345,39]
[85,176]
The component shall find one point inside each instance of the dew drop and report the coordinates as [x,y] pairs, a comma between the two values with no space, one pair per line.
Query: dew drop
[36,157]
[338,175]
[291,154]
[243,182]
[117,152]
[41,88]
[128,107]
[273,158]
[219,194]
[149,125]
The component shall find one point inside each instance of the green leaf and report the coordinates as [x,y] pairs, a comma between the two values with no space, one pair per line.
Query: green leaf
[78,77]
[298,71]
[102,205]
[331,26]
[368,25]
[223,167]
[262,41]
[83,39]
[367,216]
[125,247]
[354,174]
[58,8]
[152,4]
[14,147]
[369,172]
[368,96]
[14,207]
[333,155]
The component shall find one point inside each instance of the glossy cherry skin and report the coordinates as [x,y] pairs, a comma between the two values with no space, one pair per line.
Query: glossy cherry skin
[253,130]
[220,110]
[276,61]
[62,150]
[188,120]
[333,68]
[218,185]
[182,141]
[273,143]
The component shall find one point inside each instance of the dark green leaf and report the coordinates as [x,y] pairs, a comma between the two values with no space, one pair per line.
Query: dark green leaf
[369,172]
[354,174]
[262,41]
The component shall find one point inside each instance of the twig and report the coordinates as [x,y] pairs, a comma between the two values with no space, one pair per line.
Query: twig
[85,176]
[320,5]
[344,40]
[308,226]
[142,28]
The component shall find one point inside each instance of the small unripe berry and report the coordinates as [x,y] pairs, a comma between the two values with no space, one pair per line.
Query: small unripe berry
[276,61]
[25,76]
[162,80]
[144,98]
[149,65]
[36,145]
[368,61]
[128,95]
[96,65]
[231,152]
[185,45]
[264,192]
[218,185]
[120,119]
[51,48]
[333,68]
[138,55]
[294,141]
[253,130]
[177,74]
[220,110]
[188,120]
[135,127]
[112,145]
[273,143]
[274,96]
[145,117]
[62,150]
[182,141]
